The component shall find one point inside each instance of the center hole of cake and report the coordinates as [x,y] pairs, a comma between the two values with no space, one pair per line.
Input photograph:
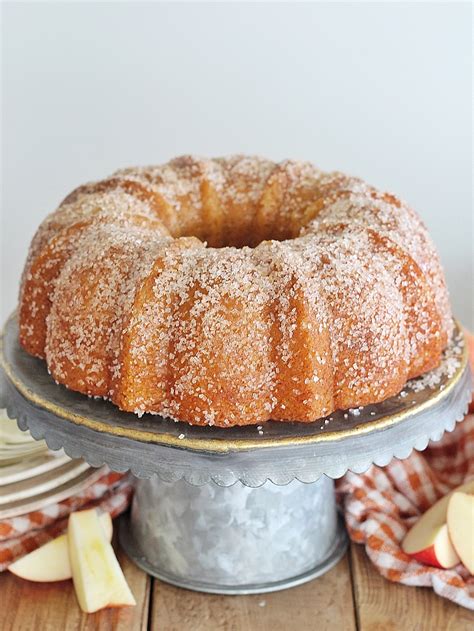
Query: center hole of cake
[237,232]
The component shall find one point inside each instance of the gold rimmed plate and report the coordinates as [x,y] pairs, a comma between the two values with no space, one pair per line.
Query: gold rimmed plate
[30,377]
[100,432]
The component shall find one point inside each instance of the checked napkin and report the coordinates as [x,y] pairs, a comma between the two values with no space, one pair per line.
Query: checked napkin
[382,504]
[19,535]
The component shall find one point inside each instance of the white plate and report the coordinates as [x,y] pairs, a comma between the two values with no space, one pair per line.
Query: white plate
[42,483]
[13,450]
[66,490]
[10,432]
[31,467]
[9,457]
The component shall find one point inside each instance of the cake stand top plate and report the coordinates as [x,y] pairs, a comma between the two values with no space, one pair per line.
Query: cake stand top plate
[100,433]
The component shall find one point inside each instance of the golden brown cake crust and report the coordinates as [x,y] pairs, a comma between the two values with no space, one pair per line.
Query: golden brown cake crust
[232,291]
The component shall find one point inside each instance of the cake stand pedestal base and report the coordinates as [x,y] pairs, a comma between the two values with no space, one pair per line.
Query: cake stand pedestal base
[234,540]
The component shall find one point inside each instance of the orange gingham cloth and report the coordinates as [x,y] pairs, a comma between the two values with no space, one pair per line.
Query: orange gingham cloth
[382,504]
[19,535]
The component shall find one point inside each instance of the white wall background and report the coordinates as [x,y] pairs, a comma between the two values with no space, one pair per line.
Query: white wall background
[382,91]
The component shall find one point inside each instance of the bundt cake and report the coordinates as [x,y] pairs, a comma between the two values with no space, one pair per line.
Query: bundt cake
[232,291]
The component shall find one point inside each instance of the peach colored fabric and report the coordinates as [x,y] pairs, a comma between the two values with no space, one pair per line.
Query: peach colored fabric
[382,504]
[22,534]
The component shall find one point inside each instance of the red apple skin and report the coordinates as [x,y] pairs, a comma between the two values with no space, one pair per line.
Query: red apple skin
[427,557]
[421,541]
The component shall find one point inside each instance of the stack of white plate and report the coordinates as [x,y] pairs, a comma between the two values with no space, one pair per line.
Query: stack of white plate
[32,476]
[16,445]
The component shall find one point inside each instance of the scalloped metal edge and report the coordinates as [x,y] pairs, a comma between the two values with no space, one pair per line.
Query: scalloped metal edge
[250,479]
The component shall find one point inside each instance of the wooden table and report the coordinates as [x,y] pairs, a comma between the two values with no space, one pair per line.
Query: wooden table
[351,596]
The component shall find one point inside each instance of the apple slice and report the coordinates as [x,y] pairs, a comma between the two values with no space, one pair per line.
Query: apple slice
[50,562]
[428,540]
[432,547]
[461,527]
[98,579]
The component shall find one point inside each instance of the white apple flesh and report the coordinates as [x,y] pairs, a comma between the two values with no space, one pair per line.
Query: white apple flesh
[461,527]
[50,562]
[98,578]
[432,547]
[429,540]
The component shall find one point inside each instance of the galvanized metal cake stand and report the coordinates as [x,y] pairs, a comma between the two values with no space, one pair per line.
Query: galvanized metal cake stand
[241,510]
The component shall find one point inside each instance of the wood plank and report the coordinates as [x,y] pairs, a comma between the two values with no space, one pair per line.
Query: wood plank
[385,606]
[325,603]
[53,606]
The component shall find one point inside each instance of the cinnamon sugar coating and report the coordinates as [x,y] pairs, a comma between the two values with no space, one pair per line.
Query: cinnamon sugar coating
[233,291]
